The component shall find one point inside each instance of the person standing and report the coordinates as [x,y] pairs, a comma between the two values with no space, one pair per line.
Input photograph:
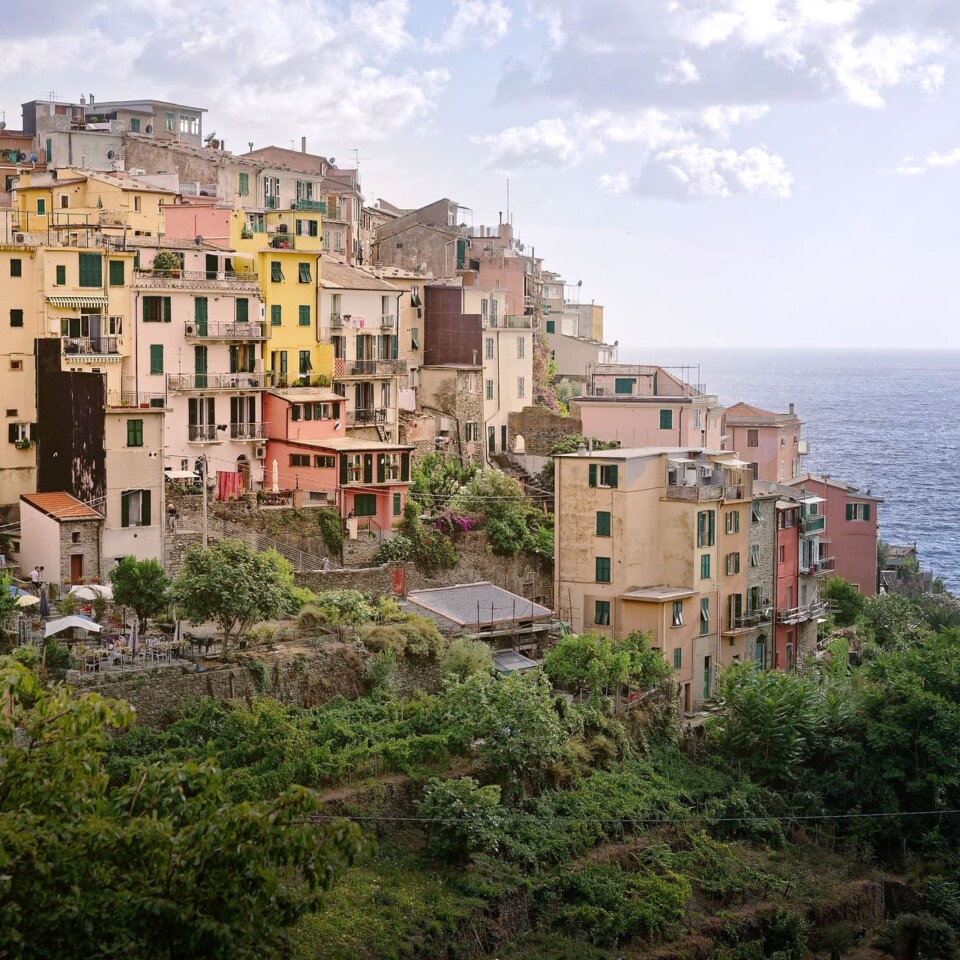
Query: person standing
[35,579]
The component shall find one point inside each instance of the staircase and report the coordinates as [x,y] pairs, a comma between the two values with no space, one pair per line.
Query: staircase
[226,530]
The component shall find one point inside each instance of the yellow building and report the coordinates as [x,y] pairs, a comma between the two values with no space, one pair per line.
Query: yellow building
[656,539]
[70,206]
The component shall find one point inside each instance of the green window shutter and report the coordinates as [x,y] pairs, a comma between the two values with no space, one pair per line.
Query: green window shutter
[701,528]
[461,254]
[866,511]
[91,270]
[167,310]
[405,466]
[156,358]
[381,468]
[849,511]
[603,570]
[397,504]
[623,384]
[365,505]
[593,474]
[295,410]
[16,268]
[116,273]
[304,320]
[200,309]
[276,271]
[145,508]
[613,474]
[705,566]
[368,468]
[603,523]
[243,310]
[42,209]
[677,658]
[343,469]
[711,527]
[275,315]
[61,275]
[283,363]
[134,433]
[666,419]
[551,326]
[234,358]
[124,509]
[244,180]
[305,273]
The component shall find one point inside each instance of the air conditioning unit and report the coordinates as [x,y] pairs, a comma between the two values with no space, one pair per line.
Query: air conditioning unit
[19,238]
[191,329]
[259,453]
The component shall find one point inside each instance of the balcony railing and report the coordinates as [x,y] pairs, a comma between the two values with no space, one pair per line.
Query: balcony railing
[134,399]
[749,620]
[812,524]
[204,433]
[800,614]
[91,346]
[316,206]
[819,567]
[333,212]
[517,322]
[222,330]
[375,368]
[704,491]
[228,280]
[388,321]
[271,203]
[183,382]
[248,431]
[336,319]
[360,417]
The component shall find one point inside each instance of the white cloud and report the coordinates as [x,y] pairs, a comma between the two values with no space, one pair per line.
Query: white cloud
[680,72]
[549,142]
[911,167]
[694,172]
[475,22]
[720,118]
[615,182]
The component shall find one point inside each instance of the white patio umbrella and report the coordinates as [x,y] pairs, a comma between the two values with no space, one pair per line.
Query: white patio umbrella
[66,623]
[276,476]
[134,635]
[27,600]
[90,591]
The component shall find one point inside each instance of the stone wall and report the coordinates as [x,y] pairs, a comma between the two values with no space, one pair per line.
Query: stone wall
[541,429]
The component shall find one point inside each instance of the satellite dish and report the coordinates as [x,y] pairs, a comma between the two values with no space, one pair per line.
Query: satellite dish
[3,124]
[149,128]
[198,240]
[333,160]
[110,155]
[336,425]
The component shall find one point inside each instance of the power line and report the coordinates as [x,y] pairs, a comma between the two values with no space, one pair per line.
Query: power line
[646,821]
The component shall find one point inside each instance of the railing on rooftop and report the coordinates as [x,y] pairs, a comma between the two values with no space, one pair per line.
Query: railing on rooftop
[357,418]
[90,346]
[224,330]
[375,368]
[314,206]
[812,524]
[136,399]
[183,382]
[704,491]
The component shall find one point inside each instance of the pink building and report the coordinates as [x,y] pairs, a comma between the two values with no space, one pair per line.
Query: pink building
[643,405]
[851,520]
[770,441]
[308,443]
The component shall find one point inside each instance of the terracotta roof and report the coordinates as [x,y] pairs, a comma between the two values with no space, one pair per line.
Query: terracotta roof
[61,506]
[747,410]
[339,276]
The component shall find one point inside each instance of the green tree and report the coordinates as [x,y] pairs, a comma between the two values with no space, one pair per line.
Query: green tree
[465,657]
[234,586]
[847,600]
[162,868]
[8,602]
[435,478]
[142,585]
[892,618]
[465,817]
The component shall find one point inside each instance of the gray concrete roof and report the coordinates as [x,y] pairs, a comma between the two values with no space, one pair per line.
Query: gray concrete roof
[477,603]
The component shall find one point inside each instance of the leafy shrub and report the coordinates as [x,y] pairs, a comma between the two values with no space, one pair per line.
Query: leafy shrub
[395,550]
[381,671]
[28,656]
[465,657]
[331,528]
[56,656]
[466,818]
[414,637]
[68,605]
[607,905]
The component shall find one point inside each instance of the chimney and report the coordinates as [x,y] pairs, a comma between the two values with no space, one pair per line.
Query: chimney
[90,99]
[378,271]
[791,409]
[303,144]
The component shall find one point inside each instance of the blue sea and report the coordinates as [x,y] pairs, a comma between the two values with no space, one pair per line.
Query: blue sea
[887,421]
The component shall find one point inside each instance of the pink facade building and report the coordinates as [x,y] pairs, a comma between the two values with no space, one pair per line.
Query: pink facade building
[851,521]
[643,405]
[771,442]
[307,449]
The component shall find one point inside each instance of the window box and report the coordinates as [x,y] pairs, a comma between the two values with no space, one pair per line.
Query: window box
[23,444]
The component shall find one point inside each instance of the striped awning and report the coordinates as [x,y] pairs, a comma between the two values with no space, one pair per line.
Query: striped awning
[80,303]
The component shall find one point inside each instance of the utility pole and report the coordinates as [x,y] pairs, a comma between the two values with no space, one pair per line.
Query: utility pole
[203,482]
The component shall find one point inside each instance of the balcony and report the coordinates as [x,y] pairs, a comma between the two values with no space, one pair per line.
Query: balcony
[156,401]
[800,614]
[695,493]
[333,212]
[248,431]
[271,203]
[370,368]
[225,280]
[204,433]
[221,330]
[187,382]
[359,418]
[336,319]
[747,621]
[91,348]
[810,525]
[819,567]
[314,206]
[388,321]
[516,322]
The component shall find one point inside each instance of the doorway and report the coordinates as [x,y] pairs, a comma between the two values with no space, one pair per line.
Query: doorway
[76,567]
[707,677]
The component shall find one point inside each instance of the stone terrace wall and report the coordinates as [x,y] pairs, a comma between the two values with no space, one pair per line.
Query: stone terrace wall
[541,429]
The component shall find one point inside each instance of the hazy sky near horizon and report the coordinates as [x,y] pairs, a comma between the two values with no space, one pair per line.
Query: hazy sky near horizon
[716,172]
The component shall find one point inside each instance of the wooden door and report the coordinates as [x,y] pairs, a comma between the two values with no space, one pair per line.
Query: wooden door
[76,567]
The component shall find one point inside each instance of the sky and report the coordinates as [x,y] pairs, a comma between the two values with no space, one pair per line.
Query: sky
[717,173]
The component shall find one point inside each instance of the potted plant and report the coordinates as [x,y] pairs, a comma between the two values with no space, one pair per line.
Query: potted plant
[23,443]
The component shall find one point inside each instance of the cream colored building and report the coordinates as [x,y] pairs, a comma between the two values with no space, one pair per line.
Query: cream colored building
[656,539]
